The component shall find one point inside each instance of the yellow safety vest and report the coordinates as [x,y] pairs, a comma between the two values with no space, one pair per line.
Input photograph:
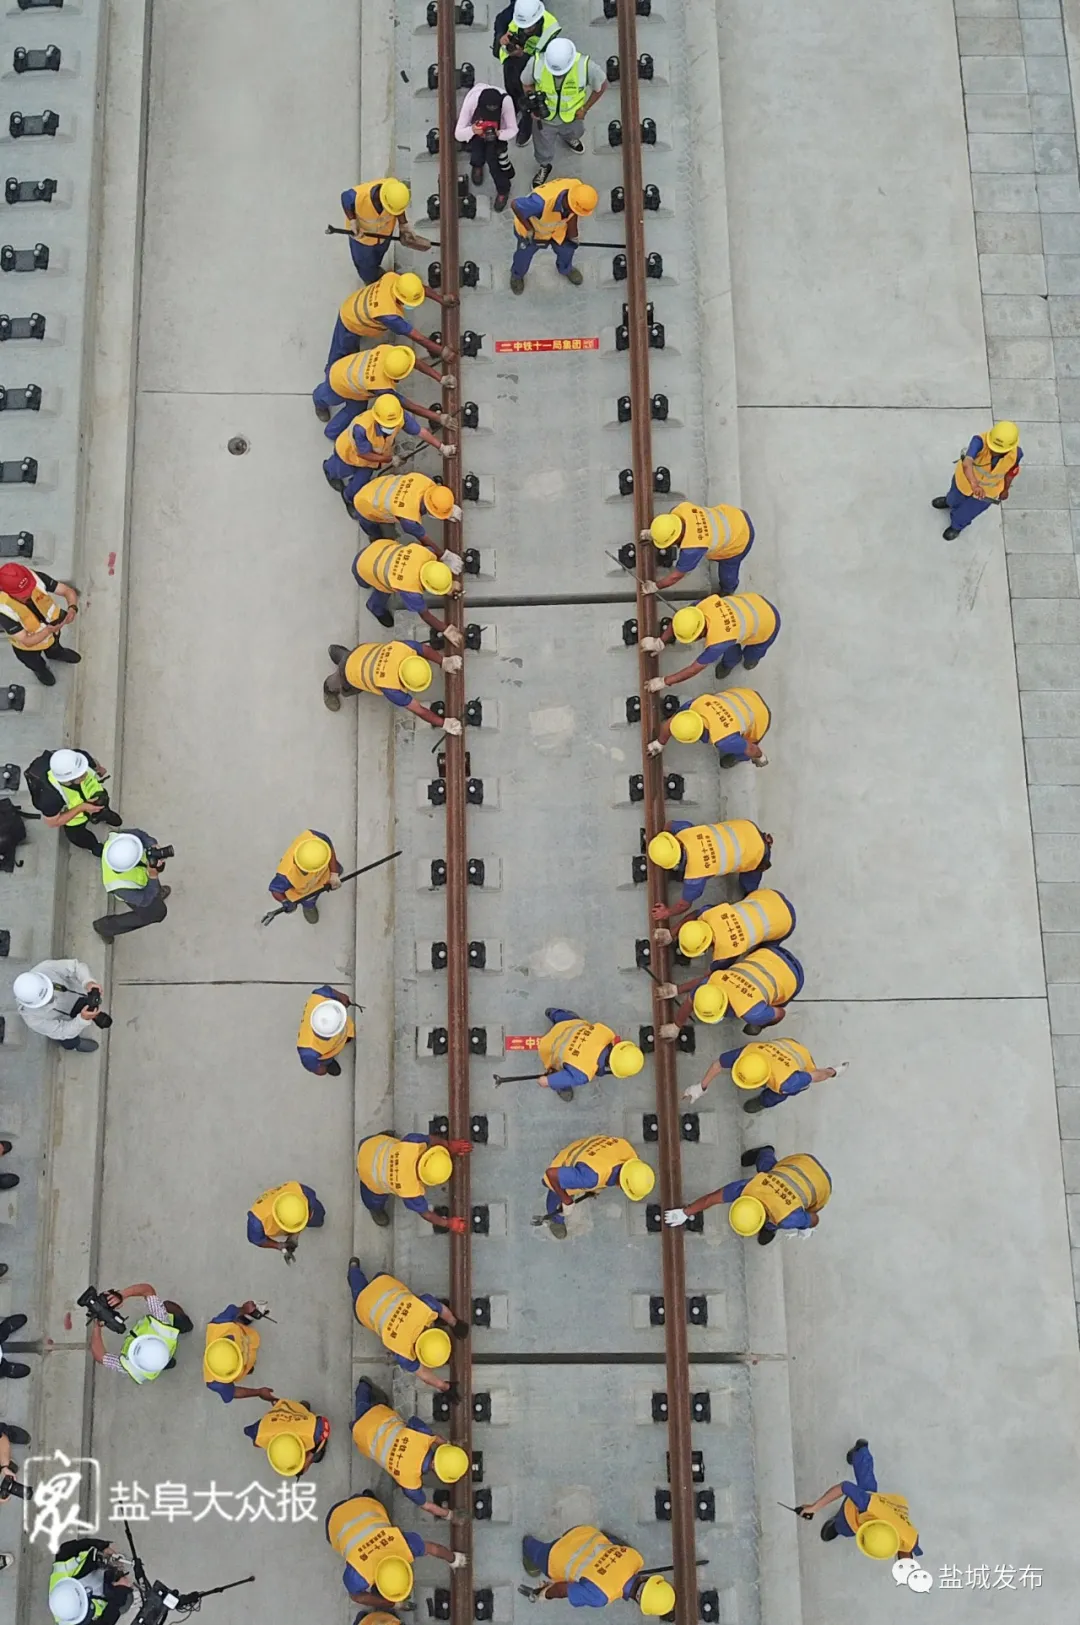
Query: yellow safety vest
[762,975]
[725,531]
[603,1153]
[300,884]
[374,666]
[798,1181]
[362,313]
[563,98]
[263,1209]
[85,789]
[148,1325]
[360,1531]
[891,1509]
[393,566]
[388,1166]
[400,1451]
[734,848]
[372,225]
[387,1308]
[389,497]
[579,1044]
[288,1416]
[308,1038]
[585,1553]
[246,1339]
[127,879]
[40,609]
[992,479]
[746,619]
[355,377]
[735,711]
[762,916]
[785,1056]
[550,226]
[537,43]
[379,439]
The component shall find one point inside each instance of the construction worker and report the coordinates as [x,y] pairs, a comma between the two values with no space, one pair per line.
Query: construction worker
[56,999]
[486,123]
[734,630]
[372,210]
[325,1029]
[367,445]
[87,1583]
[529,30]
[782,1194]
[401,499]
[279,1215]
[405,1323]
[130,867]
[880,1523]
[378,312]
[66,789]
[549,215]
[563,85]
[33,620]
[757,989]
[695,853]
[735,721]
[405,1450]
[379,1556]
[983,475]
[573,1052]
[350,383]
[398,671]
[408,569]
[149,1347]
[723,535]
[590,1570]
[309,864]
[293,1437]
[730,930]
[778,1068]
[230,1352]
[407,1167]
[589,1165]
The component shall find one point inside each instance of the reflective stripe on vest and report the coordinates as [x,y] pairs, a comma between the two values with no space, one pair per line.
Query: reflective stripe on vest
[549,226]
[131,879]
[798,1181]
[379,439]
[762,977]
[564,97]
[734,848]
[735,711]
[301,884]
[308,1038]
[374,666]
[537,43]
[41,609]
[148,1326]
[355,377]
[85,789]
[992,479]
[394,566]
[381,1435]
[388,1166]
[579,1044]
[361,313]
[785,1057]
[387,1308]
[891,1509]
[372,225]
[360,1531]
[288,1417]
[723,530]
[763,916]
[745,619]
[246,1339]
[263,1209]
[393,496]
[603,1153]
[585,1553]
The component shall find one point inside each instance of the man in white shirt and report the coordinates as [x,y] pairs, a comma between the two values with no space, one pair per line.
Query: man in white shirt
[56,1000]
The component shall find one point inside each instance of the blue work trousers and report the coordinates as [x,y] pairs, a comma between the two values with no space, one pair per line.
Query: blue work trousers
[727,572]
[342,418]
[368,260]
[537,1551]
[962,510]
[862,1465]
[523,256]
[343,343]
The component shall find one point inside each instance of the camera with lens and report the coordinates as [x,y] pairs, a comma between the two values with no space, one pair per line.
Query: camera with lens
[92,1000]
[156,855]
[99,1308]
[9,1485]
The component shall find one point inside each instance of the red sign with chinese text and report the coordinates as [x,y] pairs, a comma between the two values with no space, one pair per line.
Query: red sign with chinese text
[532,346]
[520,1041]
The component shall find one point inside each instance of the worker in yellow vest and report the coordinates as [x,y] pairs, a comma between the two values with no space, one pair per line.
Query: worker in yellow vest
[735,721]
[696,853]
[589,1570]
[379,1556]
[325,1029]
[406,1323]
[407,1167]
[881,1524]
[309,864]
[785,1193]
[402,500]
[367,446]
[723,535]
[293,1437]
[409,570]
[548,216]
[735,631]
[232,1347]
[33,619]
[350,383]
[588,1166]
[399,671]
[778,1069]
[279,1215]
[562,86]
[730,930]
[983,475]
[405,1450]
[757,989]
[573,1052]
[372,209]
[378,312]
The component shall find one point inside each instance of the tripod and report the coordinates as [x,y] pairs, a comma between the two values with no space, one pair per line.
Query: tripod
[158,1600]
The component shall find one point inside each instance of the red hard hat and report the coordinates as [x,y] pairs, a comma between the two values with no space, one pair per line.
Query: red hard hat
[16,580]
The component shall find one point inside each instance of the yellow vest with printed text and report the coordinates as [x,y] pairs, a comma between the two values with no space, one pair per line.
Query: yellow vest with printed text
[246,1339]
[733,848]
[724,530]
[308,1038]
[389,497]
[575,1043]
[785,1057]
[400,1451]
[355,377]
[798,1181]
[746,619]
[735,711]
[992,479]
[379,439]
[372,225]
[549,227]
[361,1532]
[396,1316]
[761,976]
[585,1553]
[891,1509]
[388,1166]
[374,666]
[300,884]
[603,1153]
[762,916]
[394,566]
[362,312]
[288,1416]
[263,1209]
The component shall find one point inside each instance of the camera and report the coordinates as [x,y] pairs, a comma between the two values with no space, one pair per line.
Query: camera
[98,1308]
[157,1604]
[156,855]
[9,1485]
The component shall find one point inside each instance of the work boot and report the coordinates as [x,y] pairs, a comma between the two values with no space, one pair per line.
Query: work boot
[476,175]
[574,277]
[337,652]
[757,1104]
[46,677]
[575,146]
[333,1069]
[517,285]
[111,817]
[86,1046]
[765,1236]
[17,1435]
[557,1228]
[527,1564]
[563,1094]
[323,414]
[860,1444]
[501,200]
[166,891]
[950,535]
[332,702]
[386,619]
[13,1368]
[8,1182]
[380,1216]
[311,914]
[940,502]
[829,1531]
[753,1032]
[750,1156]
[541,175]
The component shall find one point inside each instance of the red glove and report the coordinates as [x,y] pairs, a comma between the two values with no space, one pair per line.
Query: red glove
[458,1226]
[461,1148]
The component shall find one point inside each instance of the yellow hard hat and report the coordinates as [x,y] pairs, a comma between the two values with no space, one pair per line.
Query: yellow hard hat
[582,197]
[1002,437]
[688,624]
[436,577]
[388,412]
[746,1215]
[398,361]
[666,529]
[223,1359]
[687,726]
[694,937]
[626,1060]
[433,1347]
[750,1070]
[393,1578]
[450,1463]
[439,500]
[409,289]
[415,674]
[435,1166]
[657,1596]
[879,1539]
[636,1179]
[286,1453]
[312,855]
[291,1212]
[665,850]
[395,195]
[710,1003]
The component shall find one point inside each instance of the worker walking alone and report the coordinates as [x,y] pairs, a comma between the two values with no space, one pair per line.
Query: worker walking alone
[487,123]
[735,631]
[399,671]
[735,722]
[573,1052]
[588,1166]
[66,788]
[407,570]
[372,210]
[131,865]
[548,216]
[697,853]
[33,619]
[589,1570]
[566,85]
[778,1069]
[231,1350]
[785,1193]
[757,989]
[730,930]
[379,1556]
[367,445]
[325,1029]
[982,476]
[880,1523]
[405,1323]
[378,312]
[403,500]
[407,1168]
[405,1450]
[293,1436]
[350,383]
[722,534]
[282,1213]
[309,864]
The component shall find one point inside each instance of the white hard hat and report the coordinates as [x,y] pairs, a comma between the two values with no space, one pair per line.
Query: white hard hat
[328,1018]
[150,1354]
[33,990]
[68,765]
[559,55]
[527,12]
[123,852]
[69,1601]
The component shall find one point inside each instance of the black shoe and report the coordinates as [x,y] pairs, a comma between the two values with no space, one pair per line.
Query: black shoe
[333,1069]
[86,1046]
[557,1228]
[386,620]
[765,1236]
[380,1216]
[860,1444]
[501,200]
[940,502]
[517,284]
[13,1368]
[172,1364]
[829,1531]
[4,1268]
[323,414]
[58,652]
[753,1032]
[8,1182]
[565,1094]
[476,175]
[541,175]
[950,535]
[750,1156]
[575,146]
[46,677]
[337,653]
[111,817]
[755,1105]
[17,1435]
[526,1563]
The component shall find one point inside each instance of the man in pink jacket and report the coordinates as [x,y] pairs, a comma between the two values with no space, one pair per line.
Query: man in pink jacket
[487,121]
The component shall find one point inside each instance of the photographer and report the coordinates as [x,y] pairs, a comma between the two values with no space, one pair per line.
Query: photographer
[149,1347]
[66,788]
[86,1583]
[487,122]
[60,1000]
[130,866]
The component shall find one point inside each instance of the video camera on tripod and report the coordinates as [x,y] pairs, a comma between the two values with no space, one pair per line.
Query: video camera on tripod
[99,1308]
[158,1600]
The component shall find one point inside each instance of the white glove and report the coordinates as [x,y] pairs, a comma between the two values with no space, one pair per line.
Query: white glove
[454,562]
[649,587]
[455,512]
[759,761]
[670,1029]
[841,1066]
[645,535]
[263,1308]
[449,380]
[654,747]
[459,1560]
[452,664]
[663,937]
[694,1092]
[452,726]
[668,990]
[675,1216]
[652,646]
[803,1234]
[655,685]
[454,637]
[447,450]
